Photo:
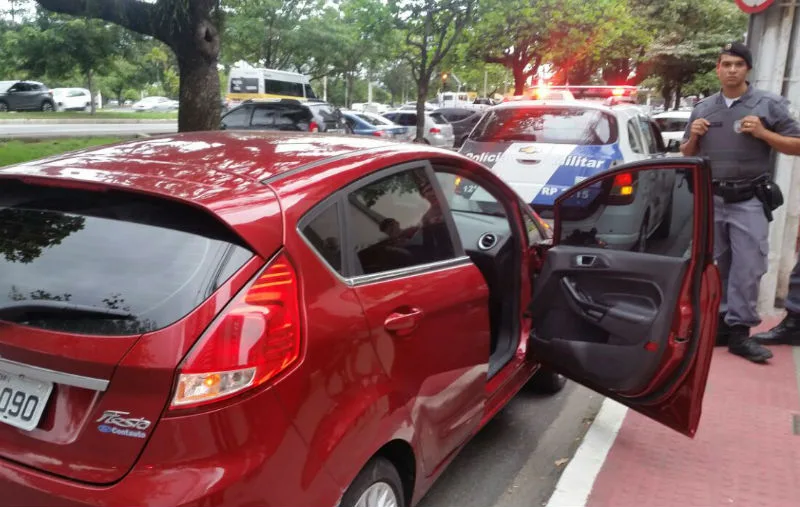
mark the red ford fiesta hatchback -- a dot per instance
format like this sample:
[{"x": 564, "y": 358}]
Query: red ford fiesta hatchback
[{"x": 270, "y": 319}]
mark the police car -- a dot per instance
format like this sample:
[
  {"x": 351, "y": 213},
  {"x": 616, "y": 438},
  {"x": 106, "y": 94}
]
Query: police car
[{"x": 541, "y": 148}]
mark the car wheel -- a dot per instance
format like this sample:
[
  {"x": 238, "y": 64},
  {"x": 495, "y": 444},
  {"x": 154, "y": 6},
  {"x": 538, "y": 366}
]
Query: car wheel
[
  {"x": 641, "y": 243},
  {"x": 546, "y": 381},
  {"x": 666, "y": 223},
  {"x": 3, "y": 107},
  {"x": 47, "y": 106},
  {"x": 377, "y": 485}
]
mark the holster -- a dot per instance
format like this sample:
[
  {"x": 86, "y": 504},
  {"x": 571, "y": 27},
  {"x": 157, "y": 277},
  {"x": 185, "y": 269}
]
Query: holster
[{"x": 770, "y": 195}]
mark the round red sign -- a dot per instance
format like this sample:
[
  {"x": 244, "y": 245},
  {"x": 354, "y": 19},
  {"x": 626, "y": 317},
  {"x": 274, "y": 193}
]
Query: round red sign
[{"x": 753, "y": 6}]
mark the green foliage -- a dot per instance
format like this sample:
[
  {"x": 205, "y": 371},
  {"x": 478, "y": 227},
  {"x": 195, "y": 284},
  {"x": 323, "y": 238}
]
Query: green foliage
[{"x": 12, "y": 152}]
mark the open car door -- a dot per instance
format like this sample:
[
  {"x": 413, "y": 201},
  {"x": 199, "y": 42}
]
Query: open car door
[{"x": 627, "y": 300}]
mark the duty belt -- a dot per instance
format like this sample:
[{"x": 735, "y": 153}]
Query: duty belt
[{"x": 737, "y": 190}]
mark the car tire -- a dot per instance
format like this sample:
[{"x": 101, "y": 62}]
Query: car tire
[
  {"x": 377, "y": 485},
  {"x": 546, "y": 381},
  {"x": 3, "y": 107},
  {"x": 48, "y": 106},
  {"x": 666, "y": 223}
]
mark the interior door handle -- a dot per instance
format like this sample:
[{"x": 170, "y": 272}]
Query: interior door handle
[
  {"x": 587, "y": 305},
  {"x": 585, "y": 261},
  {"x": 403, "y": 321}
]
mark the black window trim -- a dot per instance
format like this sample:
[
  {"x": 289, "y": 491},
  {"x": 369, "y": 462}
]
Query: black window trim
[{"x": 351, "y": 275}]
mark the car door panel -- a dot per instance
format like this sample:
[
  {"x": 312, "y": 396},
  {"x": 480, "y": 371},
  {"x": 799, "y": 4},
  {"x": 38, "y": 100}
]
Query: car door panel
[
  {"x": 635, "y": 326},
  {"x": 425, "y": 302},
  {"x": 439, "y": 357},
  {"x": 621, "y": 302}
]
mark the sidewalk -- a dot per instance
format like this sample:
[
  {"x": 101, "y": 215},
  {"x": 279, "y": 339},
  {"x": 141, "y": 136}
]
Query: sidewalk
[{"x": 745, "y": 452}]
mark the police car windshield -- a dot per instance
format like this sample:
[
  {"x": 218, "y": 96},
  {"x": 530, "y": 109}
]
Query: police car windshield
[{"x": 547, "y": 124}]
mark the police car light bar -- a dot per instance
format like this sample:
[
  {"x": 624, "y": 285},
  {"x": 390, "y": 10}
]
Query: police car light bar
[{"x": 592, "y": 91}]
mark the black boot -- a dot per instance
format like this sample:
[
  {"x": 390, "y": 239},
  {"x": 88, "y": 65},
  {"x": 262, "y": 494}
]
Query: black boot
[
  {"x": 723, "y": 332},
  {"x": 785, "y": 333},
  {"x": 740, "y": 343}
]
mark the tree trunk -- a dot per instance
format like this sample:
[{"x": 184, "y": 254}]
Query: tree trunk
[
  {"x": 422, "y": 94},
  {"x": 666, "y": 93},
  {"x": 519, "y": 77},
  {"x": 198, "y": 54},
  {"x": 678, "y": 93},
  {"x": 90, "y": 85},
  {"x": 199, "y": 92}
]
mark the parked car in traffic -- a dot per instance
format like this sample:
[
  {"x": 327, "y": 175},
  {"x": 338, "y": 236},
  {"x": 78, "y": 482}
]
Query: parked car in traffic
[
  {"x": 437, "y": 131},
  {"x": 543, "y": 148},
  {"x": 72, "y": 99},
  {"x": 361, "y": 126},
  {"x": 281, "y": 318},
  {"x": 463, "y": 121},
  {"x": 286, "y": 114},
  {"x": 672, "y": 125},
  {"x": 25, "y": 96},
  {"x": 155, "y": 104}
]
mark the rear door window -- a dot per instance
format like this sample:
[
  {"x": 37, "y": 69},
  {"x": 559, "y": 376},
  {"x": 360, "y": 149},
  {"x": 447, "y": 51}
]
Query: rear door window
[
  {"x": 263, "y": 117},
  {"x": 547, "y": 124},
  {"x": 397, "y": 222},
  {"x": 145, "y": 262},
  {"x": 238, "y": 118}
]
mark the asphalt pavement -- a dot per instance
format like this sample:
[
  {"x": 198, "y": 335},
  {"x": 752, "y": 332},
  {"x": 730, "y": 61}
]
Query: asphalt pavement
[
  {"x": 517, "y": 458},
  {"x": 42, "y": 130}
]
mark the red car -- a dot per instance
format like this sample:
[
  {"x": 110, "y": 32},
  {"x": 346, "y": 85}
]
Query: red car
[{"x": 273, "y": 319}]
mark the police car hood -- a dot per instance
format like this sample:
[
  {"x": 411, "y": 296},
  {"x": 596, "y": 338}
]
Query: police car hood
[{"x": 540, "y": 172}]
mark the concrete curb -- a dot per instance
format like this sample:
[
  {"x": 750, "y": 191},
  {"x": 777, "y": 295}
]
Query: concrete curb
[{"x": 81, "y": 122}]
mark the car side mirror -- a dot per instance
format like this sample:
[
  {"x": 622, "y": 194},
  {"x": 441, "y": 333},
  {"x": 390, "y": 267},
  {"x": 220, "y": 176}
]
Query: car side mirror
[
  {"x": 674, "y": 146},
  {"x": 640, "y": 207}
]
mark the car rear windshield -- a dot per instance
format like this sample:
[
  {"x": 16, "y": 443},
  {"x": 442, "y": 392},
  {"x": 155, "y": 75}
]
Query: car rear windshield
[
  {"x": 557, "y": 125},
  {"x": 150, "y": 260},
  {"x": 438, "y": 119}
]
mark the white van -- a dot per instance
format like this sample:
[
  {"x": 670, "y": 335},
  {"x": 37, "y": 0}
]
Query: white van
[{"x": 247, "y": 82}]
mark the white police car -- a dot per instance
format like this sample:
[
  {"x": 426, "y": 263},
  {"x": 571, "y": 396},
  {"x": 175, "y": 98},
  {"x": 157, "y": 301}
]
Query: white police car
[{"x": 541, "y": 148}]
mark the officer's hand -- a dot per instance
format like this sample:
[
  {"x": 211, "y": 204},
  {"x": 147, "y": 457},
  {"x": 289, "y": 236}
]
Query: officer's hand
[
  {"x": 699, "y": 127},
  {"x": 752, "y": 125}
]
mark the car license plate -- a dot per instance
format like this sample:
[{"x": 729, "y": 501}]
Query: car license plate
[
  {"x": 336, "y": 131},
  {"x": 22, "y": 400}
]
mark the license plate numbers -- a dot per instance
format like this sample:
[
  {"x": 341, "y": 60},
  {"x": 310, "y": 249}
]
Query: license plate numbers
[{"x": 22, "y": 400}]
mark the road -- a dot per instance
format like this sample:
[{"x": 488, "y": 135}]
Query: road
[
  {"x": 39, "y": 130},
  {"x": 512, "y": 462}
]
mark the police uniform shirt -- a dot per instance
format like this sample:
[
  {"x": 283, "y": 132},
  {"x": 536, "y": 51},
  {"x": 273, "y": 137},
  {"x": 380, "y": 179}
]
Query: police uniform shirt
[{"x": 736, "y": 155}]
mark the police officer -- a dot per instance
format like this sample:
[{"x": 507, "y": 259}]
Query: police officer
[{"x": 737, "y": 128}]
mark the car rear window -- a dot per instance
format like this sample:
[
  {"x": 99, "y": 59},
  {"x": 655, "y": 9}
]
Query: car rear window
[
  {"x": 152, "y": 259},
  {"x": 557, "y": 125},
  {"x": 439, "y": 119}
]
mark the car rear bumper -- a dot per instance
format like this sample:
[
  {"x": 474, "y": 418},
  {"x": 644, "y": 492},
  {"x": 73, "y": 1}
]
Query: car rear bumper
[{"x": 248, "y": 453}]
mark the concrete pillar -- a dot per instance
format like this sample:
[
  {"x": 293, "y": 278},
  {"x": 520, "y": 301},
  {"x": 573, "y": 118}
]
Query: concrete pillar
[{"x": 773, "y": 38}]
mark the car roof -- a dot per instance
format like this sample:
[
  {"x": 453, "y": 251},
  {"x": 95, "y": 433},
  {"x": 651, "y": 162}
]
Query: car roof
[
  {"x": 673, "y": 114},
  {"x": 208, "y": 168}
]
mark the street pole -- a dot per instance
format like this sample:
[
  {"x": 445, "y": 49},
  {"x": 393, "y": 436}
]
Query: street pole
[{"x": 325, "y": 88}]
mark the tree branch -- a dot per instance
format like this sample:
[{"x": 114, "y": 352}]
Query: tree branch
[{"x": 140, "y": 17}]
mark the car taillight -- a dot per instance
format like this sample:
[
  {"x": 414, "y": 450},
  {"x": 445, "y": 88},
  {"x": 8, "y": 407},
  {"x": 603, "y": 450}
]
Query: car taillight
[
  {"x": 435, "y": 130},
  {"x": 256, "y": 338},
  {"x": 379, "y": 133},
  {"x": 313, "y": 127},
  {"x": 623, "y": 189}
]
